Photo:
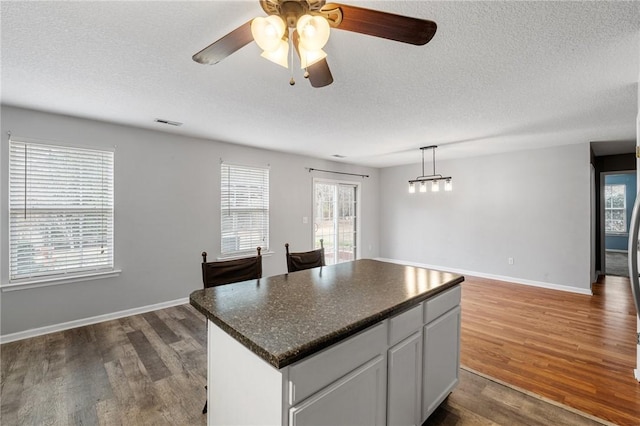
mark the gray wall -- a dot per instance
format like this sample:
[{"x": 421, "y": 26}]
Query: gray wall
[
  {"x": 533, "y": 206},
  {"x": 167, "y": 191}
]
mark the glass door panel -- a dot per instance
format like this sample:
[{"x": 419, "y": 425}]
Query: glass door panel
[{"x": 335, "y": 207}]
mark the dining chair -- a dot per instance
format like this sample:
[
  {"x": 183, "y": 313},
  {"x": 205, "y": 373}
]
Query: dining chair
[
  {"x": 230, "y": 271},
  {"x": 299, "y": 261}
]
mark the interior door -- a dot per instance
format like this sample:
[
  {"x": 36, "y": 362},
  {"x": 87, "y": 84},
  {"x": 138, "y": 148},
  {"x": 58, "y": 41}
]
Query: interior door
[
  {"x": 633, "y": 272},
  {"x": 335, "y": 219}
]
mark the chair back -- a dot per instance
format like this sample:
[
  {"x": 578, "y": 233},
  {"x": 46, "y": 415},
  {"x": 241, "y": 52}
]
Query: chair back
[
  {"x": 231, "y": 271},
  {"x": 304, "y": 260}
]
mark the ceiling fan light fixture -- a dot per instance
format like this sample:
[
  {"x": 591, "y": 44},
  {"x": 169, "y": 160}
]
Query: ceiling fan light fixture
[
  {"x": 310, "y": 57},
  {"x": 268, "y": 32},
  {"x": 314, "y": 32},
  {"x": 278, "y": 56}
]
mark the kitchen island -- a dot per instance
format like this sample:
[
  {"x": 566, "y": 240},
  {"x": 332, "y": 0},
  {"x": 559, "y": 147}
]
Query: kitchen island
[{"x": 363, "y": 342}]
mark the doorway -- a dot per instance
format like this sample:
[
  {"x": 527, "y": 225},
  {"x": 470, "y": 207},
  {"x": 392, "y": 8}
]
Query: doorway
[
  {"x": 618, "y": 197},
  {"x": 336, "y": 219}
]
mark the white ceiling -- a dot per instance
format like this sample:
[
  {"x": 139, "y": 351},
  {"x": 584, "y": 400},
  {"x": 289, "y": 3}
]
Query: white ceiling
[{"x": 498, "y": 76}]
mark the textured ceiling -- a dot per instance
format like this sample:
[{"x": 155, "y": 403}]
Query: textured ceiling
[{"x": 498, "y": 76}]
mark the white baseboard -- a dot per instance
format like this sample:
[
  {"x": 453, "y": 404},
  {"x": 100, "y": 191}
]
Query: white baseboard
[
  {"x": 91, "y": 320},
  {"x": 636, "y": 374},
  {"x": 494, "y": 277}
]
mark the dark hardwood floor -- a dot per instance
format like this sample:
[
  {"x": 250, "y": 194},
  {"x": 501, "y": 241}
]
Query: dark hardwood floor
[
  {"x": 151, "y": 368},
  {"x": 575, "y": 349},
  {"x": 140, "y": 370}
]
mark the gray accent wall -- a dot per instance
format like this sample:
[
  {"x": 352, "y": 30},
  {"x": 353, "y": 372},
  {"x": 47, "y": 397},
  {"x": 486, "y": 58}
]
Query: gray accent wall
[
  {"x": 167, "y": 211},
  {"x": 532, "y": 206}
]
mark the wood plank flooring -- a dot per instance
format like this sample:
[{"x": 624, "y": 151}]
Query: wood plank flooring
[
  {"x": 151, "y": 368},
  {"x": 140, "y": 370},
  {"x": 479, "y": 401},
  {"x": 575, "y": 349}
]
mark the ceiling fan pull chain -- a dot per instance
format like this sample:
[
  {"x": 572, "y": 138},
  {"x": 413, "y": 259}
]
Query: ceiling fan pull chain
[{"x": 292, "y": 81}]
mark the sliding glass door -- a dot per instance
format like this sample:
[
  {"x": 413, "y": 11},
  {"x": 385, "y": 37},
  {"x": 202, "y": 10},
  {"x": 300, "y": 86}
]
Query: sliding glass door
[{"x": 335, "y": 219}]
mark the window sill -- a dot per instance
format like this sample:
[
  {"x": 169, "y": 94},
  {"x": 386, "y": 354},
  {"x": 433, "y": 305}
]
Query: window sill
[
  {"x": 47, "y": 281},
  {"x": 616, "y": 234},
  {"x": 244, "y": 256}
]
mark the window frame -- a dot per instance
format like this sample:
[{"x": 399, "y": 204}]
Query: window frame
[
  {"x": 64, "y": 272},
  {"x": 263, "y": 209}
]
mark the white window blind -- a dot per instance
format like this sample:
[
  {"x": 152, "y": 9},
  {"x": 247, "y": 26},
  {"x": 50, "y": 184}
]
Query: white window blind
[
  {"x": 244, "y": 208},
  {"x": 60, "y": 210}
]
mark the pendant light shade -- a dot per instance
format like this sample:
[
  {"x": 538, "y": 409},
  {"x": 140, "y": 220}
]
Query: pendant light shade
[
  {"x": 448, "y": 186},
  {"x": 310, "y": 57},
  {"x": 313, "y": 31},
  {"x": 268, "y": 32},
  {"x": 279, "y": 55}
]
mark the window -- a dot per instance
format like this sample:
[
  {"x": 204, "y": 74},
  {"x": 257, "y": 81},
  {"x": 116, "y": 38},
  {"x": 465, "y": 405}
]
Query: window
[
  {"x": 244, "y": 204},
  {"x": 335, "y": 219},
  {"x": 60, "y": 210},
  {"x": 615, "y": 209}
]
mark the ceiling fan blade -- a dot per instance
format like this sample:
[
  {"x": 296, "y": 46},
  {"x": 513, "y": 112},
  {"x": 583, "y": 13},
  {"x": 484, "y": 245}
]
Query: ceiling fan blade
[
  {"x": 379, "y": 24},
  {"x": 220, "y": 49},
  {"x": 319, "y": 73}
]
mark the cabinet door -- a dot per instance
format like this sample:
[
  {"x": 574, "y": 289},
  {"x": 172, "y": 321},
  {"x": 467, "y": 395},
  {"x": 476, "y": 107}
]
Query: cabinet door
[
  {"x": 441, "y": 360},
  {"x": 405, "y": 382},
  {"x": 356, "y": 399}
]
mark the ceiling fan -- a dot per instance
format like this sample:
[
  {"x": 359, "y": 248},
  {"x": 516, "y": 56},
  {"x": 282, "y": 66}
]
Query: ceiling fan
[{"x": 305, "y": 24}]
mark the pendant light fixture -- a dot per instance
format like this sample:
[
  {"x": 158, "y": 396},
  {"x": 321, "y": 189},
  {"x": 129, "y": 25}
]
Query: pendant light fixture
[{"x": 434, "y": 179}]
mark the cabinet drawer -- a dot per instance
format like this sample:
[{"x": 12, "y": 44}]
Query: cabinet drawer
[
  {"x": 310, "y": 375},
  {"x": 403, "y": 325},
  {"x": 442, "y": 303}
]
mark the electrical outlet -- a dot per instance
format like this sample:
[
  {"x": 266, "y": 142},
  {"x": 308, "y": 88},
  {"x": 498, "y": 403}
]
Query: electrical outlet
[
  {"x": 510, "y": 260},
  {"x": 305, "y": 219}
]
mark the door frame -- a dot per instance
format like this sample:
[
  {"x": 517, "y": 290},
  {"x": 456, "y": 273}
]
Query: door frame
[
  {"x": 603, "y": 235},
  {"x": 358, "y": 209}
]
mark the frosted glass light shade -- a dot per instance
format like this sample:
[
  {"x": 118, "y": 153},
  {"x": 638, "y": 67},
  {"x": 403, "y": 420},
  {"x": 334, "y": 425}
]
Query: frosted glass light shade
[
  {"x": 448, "y": 186},
  {"x": 268, "y": 32},
  {"x": 313, "y": 31},
  {"x": 435, "y": 186},
  {"x": 412, "y": 188},
  {"x": 310, "y": 57},
  {"x": 423, "y": 187},
  {"x": 278, "y": 56}
]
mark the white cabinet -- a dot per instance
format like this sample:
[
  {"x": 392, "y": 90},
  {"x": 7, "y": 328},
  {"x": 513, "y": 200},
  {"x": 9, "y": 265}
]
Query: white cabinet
[
  {"x": 355, "y": 399},
  {"x": 441, "y": 359},
  {"x": 405, "y": 381}
]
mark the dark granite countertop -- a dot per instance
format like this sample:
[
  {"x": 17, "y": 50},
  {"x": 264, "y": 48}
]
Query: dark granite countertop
[{"x": 285, "y": 318}]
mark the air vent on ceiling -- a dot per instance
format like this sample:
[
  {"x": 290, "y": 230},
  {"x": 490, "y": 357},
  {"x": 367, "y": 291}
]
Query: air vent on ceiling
[{"x": 169, "y": 122}]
